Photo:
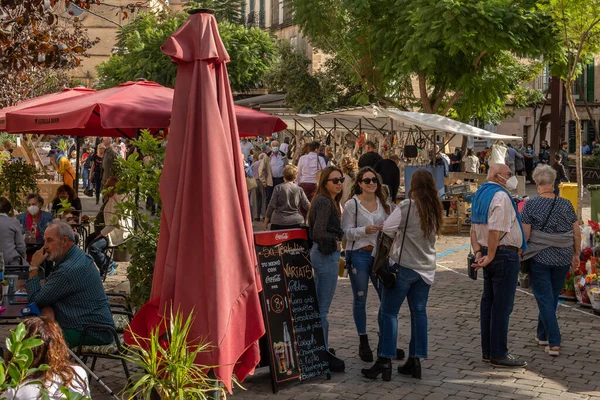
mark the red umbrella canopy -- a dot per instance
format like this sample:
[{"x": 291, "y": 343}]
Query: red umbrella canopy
[
  {"x": 66, "y": 93},
  {"x": 116, "y": 112},
  {"x": 205, "y": 259}
]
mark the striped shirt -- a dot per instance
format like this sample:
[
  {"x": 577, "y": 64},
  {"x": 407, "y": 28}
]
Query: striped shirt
[{"x": 75, "y": 292}]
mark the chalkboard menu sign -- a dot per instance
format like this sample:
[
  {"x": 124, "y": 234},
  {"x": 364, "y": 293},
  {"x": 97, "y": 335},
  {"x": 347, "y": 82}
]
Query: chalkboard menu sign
[{"x": 289, "y": 300}]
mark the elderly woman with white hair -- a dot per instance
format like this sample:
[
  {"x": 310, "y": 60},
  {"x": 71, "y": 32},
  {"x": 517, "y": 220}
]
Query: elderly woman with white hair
[{"x": 554, "y": 239}]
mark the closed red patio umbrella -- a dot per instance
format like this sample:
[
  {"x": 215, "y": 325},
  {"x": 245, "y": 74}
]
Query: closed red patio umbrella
[{"x": 206, "y": 259}]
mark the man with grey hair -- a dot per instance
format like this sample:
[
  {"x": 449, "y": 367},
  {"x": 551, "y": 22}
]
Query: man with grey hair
[
  {"x": 73, "y": 294},
  {"x": 271, "y": 169},
  {"x": 496, "y": 236}
]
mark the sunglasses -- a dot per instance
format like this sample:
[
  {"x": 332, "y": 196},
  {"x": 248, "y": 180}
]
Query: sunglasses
[
  {"x": 369, "y": 180},
  {"x": 337, "y": 180}
]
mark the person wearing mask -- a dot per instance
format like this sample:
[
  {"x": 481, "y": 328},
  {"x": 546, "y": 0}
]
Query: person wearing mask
[
  {"x": 54, "y": 353},
  {"x": 471, "y": 162},
  {"x": 247, "y": 147},
  {"x": 554, "y": 241},
  {"x": 512, "y": 155},
  {"x": 496, "y": 237},
  {"x": 285, "y": 146},
  {"x": 529, "y": 157},
  {"x": 114, "y": 229},
  {"x": 362, "y": 218},
  {"x": 108, "y": 160},
  {"x": 86, "y": 167},
  {"x": 309, "y": 167},
  {"x": 34, "y": 221},
  {"x": 271, "y": 170},
  {"x": 388, "y": 169},
  {"x": 324, "y": 221},
  {"x": 66, "y": 192},
  {"x": 96, "y": 171},
  {"x": 63, "y": 166},
  {"x": 259, "y": 197},
  {"x": 561, "y": 173},
  {"x": 414, "y": 224},
  {"x": 350, "y": 170},
  {"x": 585, "y": 149},
  {"x": 288, "y": 203},
  {"x": 544, "y": 156},
  {"x": 564, "y": 155},
  {"x": 370, "y": 158},
  {"x": 12, "y": 244}
]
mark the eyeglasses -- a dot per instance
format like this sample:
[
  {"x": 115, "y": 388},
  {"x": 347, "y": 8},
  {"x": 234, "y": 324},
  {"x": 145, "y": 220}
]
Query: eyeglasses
[
  {"x": 337, "y": 180},
  {"x": 368, "y": 181}
]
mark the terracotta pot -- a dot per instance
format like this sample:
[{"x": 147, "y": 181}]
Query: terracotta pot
[{"x": 569, "y": 293}]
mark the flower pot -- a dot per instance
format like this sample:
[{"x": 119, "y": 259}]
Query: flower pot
[{"x": 569, "y": 293}]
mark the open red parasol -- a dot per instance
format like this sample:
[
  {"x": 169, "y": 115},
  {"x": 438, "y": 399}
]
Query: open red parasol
[{"x": 205, "y": 258}]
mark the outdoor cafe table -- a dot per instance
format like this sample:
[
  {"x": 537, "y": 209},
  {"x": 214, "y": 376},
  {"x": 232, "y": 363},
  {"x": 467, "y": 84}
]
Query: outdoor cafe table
[{"x": 12, "y": 314}]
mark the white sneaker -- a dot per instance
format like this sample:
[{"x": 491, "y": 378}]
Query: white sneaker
[{"x": 541, "y": 342}]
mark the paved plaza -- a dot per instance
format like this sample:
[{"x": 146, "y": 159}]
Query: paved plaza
[{"x": 454, "y": 369}]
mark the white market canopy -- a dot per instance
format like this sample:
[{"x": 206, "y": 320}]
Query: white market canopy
[{"x": 373, "y": 119}]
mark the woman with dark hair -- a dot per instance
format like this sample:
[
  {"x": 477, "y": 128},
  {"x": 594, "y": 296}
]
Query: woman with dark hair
[
  {"x": 54, "y": 353},
  {"x": 362, "y": 218},
  {"x": 66, "y": 192},
  {"x": 415, "y": 224},
  {"x": 324, "y": 221},
  {"x": 12, "y": 244}
]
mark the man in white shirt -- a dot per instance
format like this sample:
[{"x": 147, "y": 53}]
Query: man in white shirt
[
  {"x": 271, "y": 169},
  {"x": 309, "y": 166},
  {"x": 247, "y": 147}
]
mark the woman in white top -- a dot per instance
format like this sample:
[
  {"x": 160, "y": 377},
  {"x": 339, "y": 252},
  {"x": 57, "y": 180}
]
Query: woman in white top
[
  {"x": 471, "y": 162},
  {"x": 52, "y": 352},
  {"x": 363, "y": 217},
  {"x": 414, "y": 224}
]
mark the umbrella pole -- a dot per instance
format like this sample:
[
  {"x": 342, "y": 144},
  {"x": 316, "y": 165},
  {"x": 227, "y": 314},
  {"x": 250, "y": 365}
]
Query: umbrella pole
[
  {"x": 92, "y": 374},
  {"x": 76, "y": 183}
]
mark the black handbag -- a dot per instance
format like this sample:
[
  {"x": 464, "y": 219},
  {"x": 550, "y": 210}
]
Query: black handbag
[
  {"x": 525, "y": 265},
  {"x": 381, "y": 263}
]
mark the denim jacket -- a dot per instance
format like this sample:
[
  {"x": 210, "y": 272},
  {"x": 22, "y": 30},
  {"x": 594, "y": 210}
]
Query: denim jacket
[{"x": 43, "y": 223}]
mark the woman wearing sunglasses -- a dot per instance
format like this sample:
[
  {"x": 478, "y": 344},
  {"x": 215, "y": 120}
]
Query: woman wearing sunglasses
[
  {"x": 324, "y": 222},
  {"x": 364, "y": 214},
  {"x": 415, "y": 223}
]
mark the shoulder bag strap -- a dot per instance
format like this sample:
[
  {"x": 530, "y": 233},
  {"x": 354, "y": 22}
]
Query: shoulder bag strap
[
  {"x": 549, "y": 213},
  {"x": 404, "y": 235}
]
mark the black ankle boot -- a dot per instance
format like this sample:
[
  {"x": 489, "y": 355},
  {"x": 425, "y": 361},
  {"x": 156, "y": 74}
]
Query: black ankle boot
[
  {"x": 364, "y": 350},
  {"x": 412, "y": 366},
  {"x": 382, "y": 366},
  {"x": 335, "y": 364}
]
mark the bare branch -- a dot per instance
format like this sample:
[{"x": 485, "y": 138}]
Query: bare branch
[{"x": 451, "y": 102}]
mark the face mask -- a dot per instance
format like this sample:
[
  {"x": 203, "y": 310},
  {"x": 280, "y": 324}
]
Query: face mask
[
  {"x": 512, "y": 183},
  {"x": 275, "y": 149},
  {"x": 33, "y": 210}
]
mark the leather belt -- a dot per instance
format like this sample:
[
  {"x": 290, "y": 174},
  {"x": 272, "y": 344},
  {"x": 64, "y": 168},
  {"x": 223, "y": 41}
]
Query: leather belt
[
  {"x": 502, "y": 247},
  {"x": 367, "y": 248}
]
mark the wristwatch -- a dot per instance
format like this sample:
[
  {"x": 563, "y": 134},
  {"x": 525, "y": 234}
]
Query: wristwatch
[{"x": 31, "y": 268}]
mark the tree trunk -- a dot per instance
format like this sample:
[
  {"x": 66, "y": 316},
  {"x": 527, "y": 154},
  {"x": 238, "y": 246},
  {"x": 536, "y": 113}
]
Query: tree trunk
[{"x": 578, "y": 162}]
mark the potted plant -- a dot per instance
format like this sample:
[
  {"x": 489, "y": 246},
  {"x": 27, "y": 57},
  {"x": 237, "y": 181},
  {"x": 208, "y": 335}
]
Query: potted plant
[
  {"x": 569, "y": 286},
  {"x": 586, "y": 254},
  {"x": 65, "y": 209}
]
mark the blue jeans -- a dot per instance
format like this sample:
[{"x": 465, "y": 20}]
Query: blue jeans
[
  {"x": 409, "y": 285},
  {"x": 97, "y": 184},
  {"x": 87, "y": 184},
  {"x": 499, "y": 286},
  {"x": 326, "y": 276},
  {"x": 361, "y": 262},
  {"x": 97, "y": 251},
  {"x": 546, "y": 284}
]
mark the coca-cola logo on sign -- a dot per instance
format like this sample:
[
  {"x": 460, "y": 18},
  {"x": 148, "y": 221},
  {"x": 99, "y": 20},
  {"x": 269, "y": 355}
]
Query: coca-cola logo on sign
[{"x": 281, "y": 236}]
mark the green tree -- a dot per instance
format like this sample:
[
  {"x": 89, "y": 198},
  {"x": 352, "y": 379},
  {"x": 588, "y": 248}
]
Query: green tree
[
  {"x": 225, "y": 10},
  {"x": 577, "y": 36},
  {"x": 138, "y": 52},
  {"x": 465, "y": 56}
]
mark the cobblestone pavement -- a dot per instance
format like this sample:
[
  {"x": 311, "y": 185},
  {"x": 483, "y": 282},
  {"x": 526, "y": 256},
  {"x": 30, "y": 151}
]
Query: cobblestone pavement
[{"x": 454, "y": 369}]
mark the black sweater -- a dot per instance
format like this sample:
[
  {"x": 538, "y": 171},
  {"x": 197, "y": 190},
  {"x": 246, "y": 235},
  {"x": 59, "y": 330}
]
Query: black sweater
[{"x": 324, "y": 225}]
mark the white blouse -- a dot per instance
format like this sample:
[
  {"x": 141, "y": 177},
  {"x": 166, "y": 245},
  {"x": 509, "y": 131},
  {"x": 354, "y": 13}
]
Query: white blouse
[{"x": 356, "y": 235}]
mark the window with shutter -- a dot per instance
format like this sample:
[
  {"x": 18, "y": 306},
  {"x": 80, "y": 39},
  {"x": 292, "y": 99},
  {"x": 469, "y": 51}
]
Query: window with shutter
[{"x": 589, "y": 95}]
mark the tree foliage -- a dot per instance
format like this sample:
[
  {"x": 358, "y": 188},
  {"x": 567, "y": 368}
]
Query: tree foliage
[
  {"x": 32, "y": 42},
  {"x": 139, "y": 55},
  {"x": 577, "y": 36},
  {"x": 464, "y": 55},
  {"x": 225, "y": 10}
]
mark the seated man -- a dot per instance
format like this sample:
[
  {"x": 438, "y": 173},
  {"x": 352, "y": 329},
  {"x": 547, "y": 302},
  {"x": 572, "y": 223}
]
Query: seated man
[{"x": 74, "y": 291}]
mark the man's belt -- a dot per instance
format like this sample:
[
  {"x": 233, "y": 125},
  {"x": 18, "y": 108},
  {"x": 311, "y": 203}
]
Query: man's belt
[
  {"x": 367, "y": 248},
  {"x": 509, "y": 248}
]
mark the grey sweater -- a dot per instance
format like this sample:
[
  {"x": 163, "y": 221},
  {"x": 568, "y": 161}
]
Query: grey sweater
[
  {"x": 12, "y": 243},
  {"x": 286, "y": 204}
]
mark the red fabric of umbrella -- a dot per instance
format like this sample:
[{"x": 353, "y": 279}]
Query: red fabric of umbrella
[
  {"x": 66, "y": 93},
  {"x": 256, "y": 123},
  {"x": 205, "y": 258}
]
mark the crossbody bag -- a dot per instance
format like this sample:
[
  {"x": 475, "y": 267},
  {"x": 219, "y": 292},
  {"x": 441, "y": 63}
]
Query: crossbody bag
[{"x": 526, "y": 265}]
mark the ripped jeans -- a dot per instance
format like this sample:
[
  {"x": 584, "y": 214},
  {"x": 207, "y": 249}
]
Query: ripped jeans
[{"x": 361, "y": 262}]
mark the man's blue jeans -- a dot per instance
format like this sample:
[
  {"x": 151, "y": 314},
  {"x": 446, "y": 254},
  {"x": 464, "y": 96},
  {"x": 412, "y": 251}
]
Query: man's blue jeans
[
  {"x": 411, "y": 286},
  {"x": 326, "y": 276},
  {"x": 361, "y": 262},
  {"x": 499, "y": 286},
  {"x": 97, "y": 251},
  {"x": 87, "y": 184},
  {"x": 546, "y": 284}
]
